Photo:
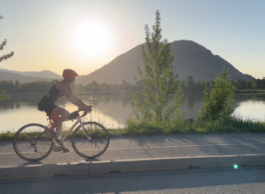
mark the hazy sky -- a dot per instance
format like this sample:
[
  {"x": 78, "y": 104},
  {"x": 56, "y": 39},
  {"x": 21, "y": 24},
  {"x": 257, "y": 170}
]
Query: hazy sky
[{"x": 86, "y": 34}]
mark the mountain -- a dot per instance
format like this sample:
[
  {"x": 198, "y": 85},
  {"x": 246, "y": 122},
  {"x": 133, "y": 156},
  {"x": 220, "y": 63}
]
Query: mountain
[
  {"x": 190, "y": 59},
  {"x": 43, "y": 74},
  {"x": 5, "y": 75}
]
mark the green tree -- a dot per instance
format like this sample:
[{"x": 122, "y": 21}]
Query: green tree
[
  {"x": 3, "y": 94},
  {"x": 239, "y": 84},
  {"x": 94, "y": 86},
  {"x": 158, "y": 81},
  {"x": 201, "y": 85},
  {"x": 217, "y": 103},
  {"x": 4, "y": 57},
  {"x": 189, "y": 83},
  {"x": 248, "y": 84},
  {"x": 254, "y": 84},
  {"x": 124, "y": 85}
]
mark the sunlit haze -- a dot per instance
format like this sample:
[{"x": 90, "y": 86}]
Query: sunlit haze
[
  {"x": 91, "y": 39},
  {"x": 85, "y": 35}
]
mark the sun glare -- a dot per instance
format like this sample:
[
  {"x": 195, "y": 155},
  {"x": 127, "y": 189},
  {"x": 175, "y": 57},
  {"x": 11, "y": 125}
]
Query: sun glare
[{"x": 91, "y": 38}]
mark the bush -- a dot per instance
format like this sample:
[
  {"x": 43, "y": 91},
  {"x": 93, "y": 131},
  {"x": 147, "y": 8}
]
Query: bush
[{"x": 217, "y": 103}]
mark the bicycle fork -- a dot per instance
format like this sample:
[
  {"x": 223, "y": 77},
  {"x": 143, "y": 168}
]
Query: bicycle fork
[{"x": 88, "y": 136}]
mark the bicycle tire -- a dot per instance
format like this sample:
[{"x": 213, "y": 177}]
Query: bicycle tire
[
  {"x": 29, "y": 138},
  {"x": 101, "y": 127}
]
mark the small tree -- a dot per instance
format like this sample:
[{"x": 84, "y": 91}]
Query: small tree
[
  {"x": 4, "y": 57},
  {"x": 254, "y": 84},
  {"x": 189, "y": 83},
  {"x": 218, "y": 102},
  {"x": 158, "y": 81},
  {"x": 94, "y": 86},
  {"x": 124, "y": 85}
]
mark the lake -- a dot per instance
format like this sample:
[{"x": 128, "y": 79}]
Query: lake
[{"x": 113, "y": 111}]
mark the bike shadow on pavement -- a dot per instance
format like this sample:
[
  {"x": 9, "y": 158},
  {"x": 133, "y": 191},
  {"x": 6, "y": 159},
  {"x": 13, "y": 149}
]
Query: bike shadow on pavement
[
  {"x": 30, "y": 163},
  {"x": 91, "y": 160}
]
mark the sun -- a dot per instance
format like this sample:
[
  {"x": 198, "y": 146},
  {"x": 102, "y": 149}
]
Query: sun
[{"x": 91, "y": 38}]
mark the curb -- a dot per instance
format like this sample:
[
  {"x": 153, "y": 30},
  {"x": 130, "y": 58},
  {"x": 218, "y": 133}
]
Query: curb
[
  {"x": 43, "y": 170},
  {"x": 125, "y": 166}
]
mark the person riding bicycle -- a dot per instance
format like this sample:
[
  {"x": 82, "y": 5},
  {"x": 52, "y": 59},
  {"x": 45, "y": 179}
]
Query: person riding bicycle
[{"x": 56, "y": 113}]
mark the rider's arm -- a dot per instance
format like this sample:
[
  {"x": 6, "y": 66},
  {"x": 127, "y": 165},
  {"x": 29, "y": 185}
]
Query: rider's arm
[
  {"x": 69, "y": 95},
  {"x": 77, "y": 99}
]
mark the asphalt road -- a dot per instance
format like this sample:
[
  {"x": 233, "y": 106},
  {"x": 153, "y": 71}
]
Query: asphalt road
[
  {"x": 214, "y": 181},
  {"x": 154, "y": 147}
]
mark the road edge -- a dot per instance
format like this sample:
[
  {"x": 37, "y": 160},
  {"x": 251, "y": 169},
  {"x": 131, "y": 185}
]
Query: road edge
[{"x": 127, "y": 166}]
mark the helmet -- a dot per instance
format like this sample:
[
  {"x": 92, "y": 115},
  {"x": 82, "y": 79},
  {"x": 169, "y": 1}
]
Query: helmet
[{"x": 68, "y": 73}]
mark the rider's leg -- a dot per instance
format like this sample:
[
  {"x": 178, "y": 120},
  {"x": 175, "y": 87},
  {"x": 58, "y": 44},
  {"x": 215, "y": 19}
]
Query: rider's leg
[
  {"x": 54, "y": 118},
  {"x": 64, "y": 116}
]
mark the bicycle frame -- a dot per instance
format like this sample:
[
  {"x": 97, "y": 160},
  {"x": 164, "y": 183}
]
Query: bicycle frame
[
  {"x": 73, "y": 126},
  {"x": 95, "y": 145},
  {"x": 71, "y": 129}
]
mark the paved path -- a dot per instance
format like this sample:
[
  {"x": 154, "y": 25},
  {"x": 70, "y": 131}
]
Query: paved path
[
  {"x": 155, "y": 147},
  {"x": 250, "y": 180}
]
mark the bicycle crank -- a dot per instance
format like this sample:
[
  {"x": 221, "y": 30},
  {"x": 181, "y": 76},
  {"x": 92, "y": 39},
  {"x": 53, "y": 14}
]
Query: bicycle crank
[{"x": 57, "y": 145}]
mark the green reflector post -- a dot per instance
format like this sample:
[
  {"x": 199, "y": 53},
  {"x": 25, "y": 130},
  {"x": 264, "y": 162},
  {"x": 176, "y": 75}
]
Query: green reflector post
[{"x": 235, "y": 166}]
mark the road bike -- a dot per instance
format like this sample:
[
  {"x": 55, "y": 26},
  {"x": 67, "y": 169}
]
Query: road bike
[{"x": 89, "y": 139}]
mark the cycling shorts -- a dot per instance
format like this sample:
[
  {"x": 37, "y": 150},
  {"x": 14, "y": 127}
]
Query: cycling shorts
[{"x": 47, "y": 107}]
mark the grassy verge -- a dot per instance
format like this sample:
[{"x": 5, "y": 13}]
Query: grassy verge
[{"x": 231, "y": 125}]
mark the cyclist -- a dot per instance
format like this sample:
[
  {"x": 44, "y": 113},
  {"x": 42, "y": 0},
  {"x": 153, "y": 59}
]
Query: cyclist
[{"x": 56, "y": 113}]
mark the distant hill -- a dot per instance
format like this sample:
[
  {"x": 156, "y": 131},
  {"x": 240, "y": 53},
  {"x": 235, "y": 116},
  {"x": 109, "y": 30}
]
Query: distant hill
[
  {"x": 43, "y": 74},
  {"x": 190, "y": 59},
  {"x": 5, "y": 75}
]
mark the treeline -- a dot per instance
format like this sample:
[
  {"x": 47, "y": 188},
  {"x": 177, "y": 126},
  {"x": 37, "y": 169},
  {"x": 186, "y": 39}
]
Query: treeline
[
  {"x": 190, "y": 85},
  {"x": 44, "y": 86},
  {"x": 186, "y": 85}
]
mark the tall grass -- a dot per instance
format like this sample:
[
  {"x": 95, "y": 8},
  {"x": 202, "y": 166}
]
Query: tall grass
[{"x": 231, "y": 124}]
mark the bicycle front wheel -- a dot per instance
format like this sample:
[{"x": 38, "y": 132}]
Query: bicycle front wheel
[
  {"x": 90, "y": 141},
  {"x": 31, "y": 144}
]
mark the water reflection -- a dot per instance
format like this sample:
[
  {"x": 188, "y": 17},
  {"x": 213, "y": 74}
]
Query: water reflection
[{"x": 113, "y": 111}]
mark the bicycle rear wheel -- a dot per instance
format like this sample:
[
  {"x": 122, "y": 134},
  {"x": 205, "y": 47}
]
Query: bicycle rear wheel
[
  {"x": 31, "y": 144},
  {"x": 92, "y": 141}
]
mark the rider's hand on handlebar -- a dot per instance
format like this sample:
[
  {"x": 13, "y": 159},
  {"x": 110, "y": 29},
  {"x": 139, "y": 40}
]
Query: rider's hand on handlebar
[{"x": 87, "y": 108}]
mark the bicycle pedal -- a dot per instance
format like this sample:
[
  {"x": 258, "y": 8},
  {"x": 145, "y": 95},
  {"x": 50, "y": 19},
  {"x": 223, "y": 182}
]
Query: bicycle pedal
[
  {"x": 64, "y": 150},
  {"x": 57, "y": 145}
]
